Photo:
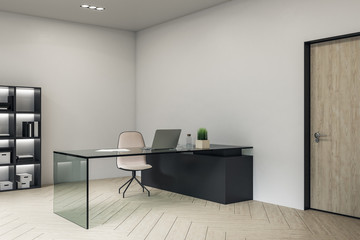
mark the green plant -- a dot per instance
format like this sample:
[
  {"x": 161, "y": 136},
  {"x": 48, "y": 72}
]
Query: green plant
[{"x": 202, "y": 134}]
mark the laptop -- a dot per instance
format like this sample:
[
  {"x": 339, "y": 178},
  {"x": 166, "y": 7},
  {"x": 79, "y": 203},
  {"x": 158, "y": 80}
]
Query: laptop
[{"x": 166, "y": 139}]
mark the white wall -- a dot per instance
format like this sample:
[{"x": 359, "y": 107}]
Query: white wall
[
  {"x": 87, "y": 76},
  {"x": 237, "y": 69}
]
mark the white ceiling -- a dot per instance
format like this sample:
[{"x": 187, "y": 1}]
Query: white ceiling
[{"x": 130, "y": 15}]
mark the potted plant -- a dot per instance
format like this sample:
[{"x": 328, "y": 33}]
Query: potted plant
[{"x": 202, "y": 139}]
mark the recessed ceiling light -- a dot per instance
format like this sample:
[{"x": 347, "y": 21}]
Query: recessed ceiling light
[{"x": 92, "y": 7}]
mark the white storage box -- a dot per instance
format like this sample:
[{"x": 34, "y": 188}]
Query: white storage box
[
  {"x": 4, "y": 157},
  {"x": 6, "y": 185},
  {"x": 23, "y": 177},
  {"x": 21, "y": 185}
]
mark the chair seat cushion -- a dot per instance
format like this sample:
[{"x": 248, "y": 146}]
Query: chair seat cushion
[{"x": 135, "y": 167}]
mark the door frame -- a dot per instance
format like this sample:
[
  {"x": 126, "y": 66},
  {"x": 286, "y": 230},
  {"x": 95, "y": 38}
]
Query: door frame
[{"x": 307, "y": 104}]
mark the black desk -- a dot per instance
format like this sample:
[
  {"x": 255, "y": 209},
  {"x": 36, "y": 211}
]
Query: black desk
[{"x": 221, "y": 174}]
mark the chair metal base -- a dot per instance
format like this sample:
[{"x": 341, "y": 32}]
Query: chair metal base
[{"x": 130, "y": 181}]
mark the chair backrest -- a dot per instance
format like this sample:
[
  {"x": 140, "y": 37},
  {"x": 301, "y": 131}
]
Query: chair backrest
[{"x": 130, "y": 139}]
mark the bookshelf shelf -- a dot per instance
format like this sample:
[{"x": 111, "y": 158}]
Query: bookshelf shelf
[
  {"x": 27, "y": 162},
  {"x": 6, "y": 165},
  {"x": 27, "y": 112},
  {"x": 19, "y": 138}
]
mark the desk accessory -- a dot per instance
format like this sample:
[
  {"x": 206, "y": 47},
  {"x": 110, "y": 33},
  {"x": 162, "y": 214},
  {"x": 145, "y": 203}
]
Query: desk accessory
[{"x": 202, "y": 141}]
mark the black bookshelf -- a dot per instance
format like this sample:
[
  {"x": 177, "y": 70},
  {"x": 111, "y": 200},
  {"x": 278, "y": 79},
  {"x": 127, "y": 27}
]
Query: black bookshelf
[{"x": 20, "y": 106}]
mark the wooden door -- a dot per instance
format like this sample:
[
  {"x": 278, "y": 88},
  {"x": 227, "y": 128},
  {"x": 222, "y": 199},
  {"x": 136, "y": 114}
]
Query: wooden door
[{"x": 335, "y": 114}]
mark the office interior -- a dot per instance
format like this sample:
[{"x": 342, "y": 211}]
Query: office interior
[{"x": 236, "y": 68}]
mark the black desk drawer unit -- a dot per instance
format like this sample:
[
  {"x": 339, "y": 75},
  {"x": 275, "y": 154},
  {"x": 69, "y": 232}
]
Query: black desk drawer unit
[{"x": 215, "y": 176}]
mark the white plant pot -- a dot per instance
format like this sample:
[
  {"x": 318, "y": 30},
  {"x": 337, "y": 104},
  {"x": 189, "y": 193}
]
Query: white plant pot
[{"x": 202, "y": 144}]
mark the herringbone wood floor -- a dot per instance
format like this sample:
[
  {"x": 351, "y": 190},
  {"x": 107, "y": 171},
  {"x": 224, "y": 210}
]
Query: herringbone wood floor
[{"x": 28, "y": 215}]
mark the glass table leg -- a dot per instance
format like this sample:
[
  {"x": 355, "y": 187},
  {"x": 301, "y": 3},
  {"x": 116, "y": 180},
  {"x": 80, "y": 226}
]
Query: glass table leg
[{"x": 71, "y": 189}]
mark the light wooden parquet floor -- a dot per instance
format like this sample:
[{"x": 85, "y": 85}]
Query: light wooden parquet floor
[{"x": 164, "y": 216}]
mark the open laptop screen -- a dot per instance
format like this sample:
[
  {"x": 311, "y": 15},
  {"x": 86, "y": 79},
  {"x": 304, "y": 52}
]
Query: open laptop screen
[{"x": 166, "y": 138}]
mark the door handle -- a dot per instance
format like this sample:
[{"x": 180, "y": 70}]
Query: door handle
[{"x": 317, "y": 137}]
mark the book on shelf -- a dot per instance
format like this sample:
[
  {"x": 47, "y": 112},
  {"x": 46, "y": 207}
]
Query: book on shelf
[
  {"x": 11, "y": 102},
  {"x": 4, "y": 106},
  {"x": 31, "y": 129},
  {"x": 36, "y": 129},
  {"x": 7, "y": 105},
  {"x": 25, "y": 129},
  {"x": 25, "y": 157}
]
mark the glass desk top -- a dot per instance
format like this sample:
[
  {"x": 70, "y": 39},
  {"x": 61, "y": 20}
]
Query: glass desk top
[
  {"x": 71, "y": 175},
  {"x": 100, "y": 153}
]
